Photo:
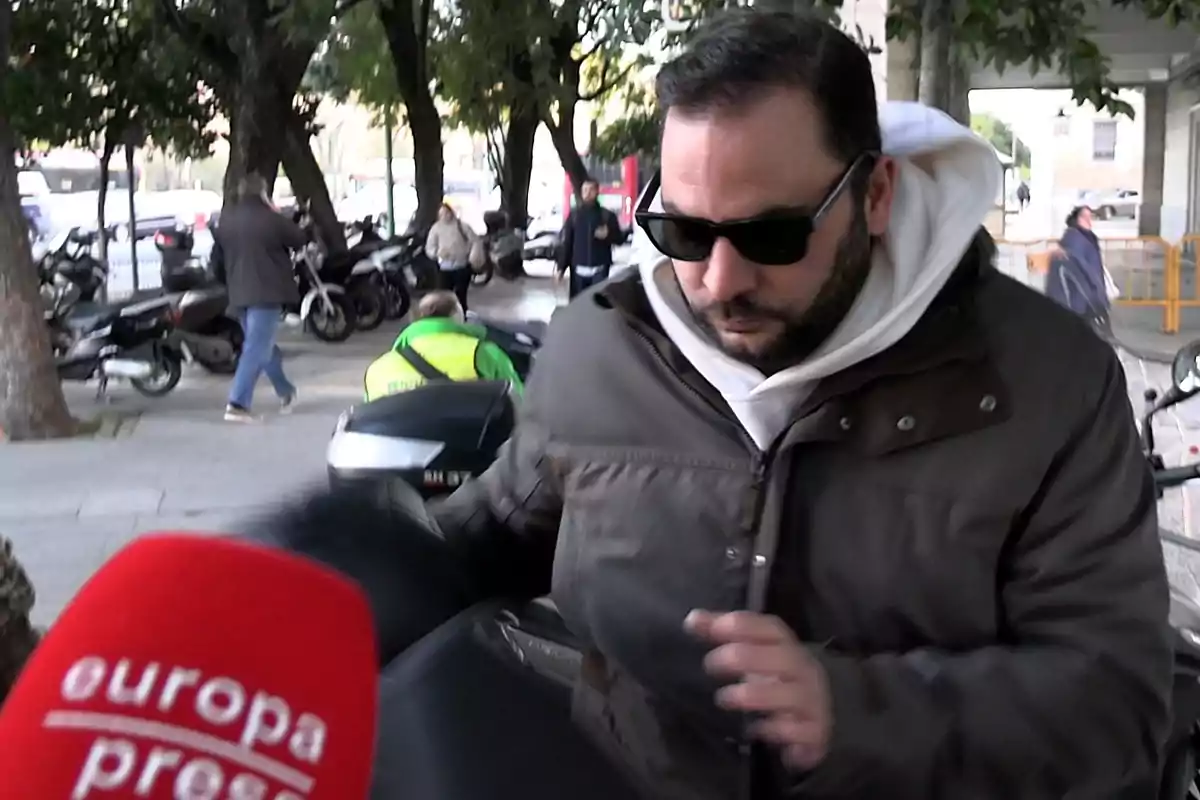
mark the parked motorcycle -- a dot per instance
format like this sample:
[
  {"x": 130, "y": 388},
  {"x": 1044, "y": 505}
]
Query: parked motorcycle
[
  {"x": 174, "y": 248},
  {"x": 204, "y": 333},
  {"x": 435, "y": 436},
  {"x": 325, "y": 309},
  {"x": 69, "y": 254},
  {"x": 504, "y": 247},
  {"x": 421, "y": 270},
  {"x": 128, "y": 340},
  {"x": 1180, "y": 779},
  {"x": 366, "y": 288},
  {"x": 542, "y": 238}
]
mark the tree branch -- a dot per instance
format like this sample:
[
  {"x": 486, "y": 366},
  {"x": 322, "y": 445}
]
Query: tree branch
[
  {"x": 201, "y": 38},
  {"x": 591, "y": 51},
  {"x": 606, "y": 86}
]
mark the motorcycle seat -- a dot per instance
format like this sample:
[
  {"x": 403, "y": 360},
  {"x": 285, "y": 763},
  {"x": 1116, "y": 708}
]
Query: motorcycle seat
[
  {"x": 533, "y": 329},
  {"x": 87, "y": 316}
]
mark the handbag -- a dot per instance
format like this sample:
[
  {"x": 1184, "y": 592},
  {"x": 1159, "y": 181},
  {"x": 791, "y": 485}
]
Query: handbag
[
  {"x": 1110, "y": 286},
  {"x": 477, "y": 257}
]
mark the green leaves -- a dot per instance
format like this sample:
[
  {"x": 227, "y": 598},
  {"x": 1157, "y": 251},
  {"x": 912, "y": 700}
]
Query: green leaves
[
  {"x": 91, "y": 69},
  {"x": 1045, "y": 34},
  {"x": 355, "y": 61}
]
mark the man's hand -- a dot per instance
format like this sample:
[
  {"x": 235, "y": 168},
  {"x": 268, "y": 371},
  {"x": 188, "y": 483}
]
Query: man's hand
[
  {"x": 602, "y": 232},
  {"x": 558, "y": 275},
  {"x": 778, "y": 681}
]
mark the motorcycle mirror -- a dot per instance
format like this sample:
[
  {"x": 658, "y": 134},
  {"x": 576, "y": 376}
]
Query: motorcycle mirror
[{"x": 1185, "y": 372}]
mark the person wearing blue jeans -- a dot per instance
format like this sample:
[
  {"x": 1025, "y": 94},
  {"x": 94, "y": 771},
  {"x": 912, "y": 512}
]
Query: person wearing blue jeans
[
  {"x": 260, "y": 355},
  {"x": 252, "y": 257}
]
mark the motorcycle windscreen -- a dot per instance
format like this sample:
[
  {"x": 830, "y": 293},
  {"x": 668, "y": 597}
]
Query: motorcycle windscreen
[{"x": 466, "y": 415}]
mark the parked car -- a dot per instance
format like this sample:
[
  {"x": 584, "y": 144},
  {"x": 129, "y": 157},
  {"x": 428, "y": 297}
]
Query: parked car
[
  {"x": 371, "y": 201},
  {"x": 1113, "y": 204},
  {"x": 33, "y": 189}
]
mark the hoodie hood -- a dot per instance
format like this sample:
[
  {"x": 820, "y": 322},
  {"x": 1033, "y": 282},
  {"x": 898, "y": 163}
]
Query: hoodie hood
[{"x": 947, "y": 181}]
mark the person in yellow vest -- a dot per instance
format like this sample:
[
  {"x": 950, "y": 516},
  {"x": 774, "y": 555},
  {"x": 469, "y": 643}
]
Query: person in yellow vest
[{"x": 439, "y": 345}]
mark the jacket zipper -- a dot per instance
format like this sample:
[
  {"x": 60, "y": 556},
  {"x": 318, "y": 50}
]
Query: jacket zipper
[{"x": 761, "y": 463}]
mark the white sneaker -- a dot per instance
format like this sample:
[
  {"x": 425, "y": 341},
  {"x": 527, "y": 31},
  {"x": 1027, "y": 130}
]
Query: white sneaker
[
  {"x": 235, "y": 414},
  {"x": 288, "y": 404}
]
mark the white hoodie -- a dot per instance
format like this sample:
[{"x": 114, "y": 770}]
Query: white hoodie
[{"x": 947, "y": 181}]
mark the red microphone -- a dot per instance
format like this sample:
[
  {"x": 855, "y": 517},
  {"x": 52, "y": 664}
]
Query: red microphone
[{"x": 198, "y": 668}]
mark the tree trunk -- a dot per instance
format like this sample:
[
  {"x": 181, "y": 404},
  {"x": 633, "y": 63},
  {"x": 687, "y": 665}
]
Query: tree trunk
[
  {"x": 108, "y": 149},
  {"x": 426, "y": 128},
  {"x": 959, "y": 106},
  {"x": 308, "y": 182},
  {"x": 256, "y": 139},
  {"x": 562, "y": 134},
  {"x": 944, "y": 78},
  {"x": 132, "y": 226},
  {"x": 405, "y": 25},
  {"x": 518, "y": 161},
  {"x": 31, "y": 398},
  {"x": 936, "y": 48}
]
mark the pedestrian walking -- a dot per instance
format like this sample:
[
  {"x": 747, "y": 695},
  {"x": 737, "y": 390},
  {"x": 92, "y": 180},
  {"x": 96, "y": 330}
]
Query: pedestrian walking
[
  {"x": 252, "y": 257},
  {"x": 454, "y": 246},
  {"x": 1023, "y": 195},
  {"x": 588, "y": 237}
]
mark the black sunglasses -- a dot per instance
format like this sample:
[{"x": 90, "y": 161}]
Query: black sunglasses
[{"x": 772, "y": 239}]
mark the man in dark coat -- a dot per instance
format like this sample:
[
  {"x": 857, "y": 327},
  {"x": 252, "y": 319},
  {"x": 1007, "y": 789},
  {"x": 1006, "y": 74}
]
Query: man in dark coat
[
  {"x": 832, "y": 507},
  {"x": 252, "y": 256},
  {"x": 588, "y": 237}
]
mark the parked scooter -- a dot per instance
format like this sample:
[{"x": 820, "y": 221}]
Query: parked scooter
[
  {"x": 504, "y": 248},
  {"x": 435, "y": 436},
  {"x": 69, "y": 255},
  {"x": 1180, "y": 779},
  {"x": 384, "y": 260},
  {"x": 129, "y": 340},
  {"x": 542, "y": 238},
  {"x": 421, "y": 270},
  {"x": 204, "y": 333}
]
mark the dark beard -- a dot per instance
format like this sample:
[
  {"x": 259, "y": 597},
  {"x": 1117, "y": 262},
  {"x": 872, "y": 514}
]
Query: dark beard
[{"x": 807, "y": 331}]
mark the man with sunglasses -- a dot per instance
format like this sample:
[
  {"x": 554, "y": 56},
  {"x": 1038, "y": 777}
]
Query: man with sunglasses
[
  {"x": 834, "y": 508},
  {"x": 897, "y": 496}
]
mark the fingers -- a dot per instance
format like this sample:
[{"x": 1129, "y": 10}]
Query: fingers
[
  {"x": 765, "y": 660},
  {"x": 770, "y": 697},
  {"x": 737, "y": 626},
  {"x": 803, "y": 741}
]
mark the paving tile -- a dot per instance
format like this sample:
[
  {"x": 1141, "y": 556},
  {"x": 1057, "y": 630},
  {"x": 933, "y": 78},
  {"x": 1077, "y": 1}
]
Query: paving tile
[
  {"x": 134, "y": 500},
  {"x": 25, "y": 503}
]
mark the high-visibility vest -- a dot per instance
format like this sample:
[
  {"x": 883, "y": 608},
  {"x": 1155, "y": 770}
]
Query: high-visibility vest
[{"x": 452, "y": 354}]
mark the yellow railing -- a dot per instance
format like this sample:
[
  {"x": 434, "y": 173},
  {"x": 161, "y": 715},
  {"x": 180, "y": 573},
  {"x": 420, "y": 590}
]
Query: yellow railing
[{"x": 1145, "y": 268}]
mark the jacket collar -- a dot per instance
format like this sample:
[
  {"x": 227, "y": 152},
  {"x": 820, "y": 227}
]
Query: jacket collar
[{"x": 935, "y": 382}]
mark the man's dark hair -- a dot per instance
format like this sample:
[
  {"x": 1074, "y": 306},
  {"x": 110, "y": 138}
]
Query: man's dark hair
[
  {"x": 1073, "y": 217},
  {"x": 744, "y": 54},
  {"x": 252, "y": 185}
]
